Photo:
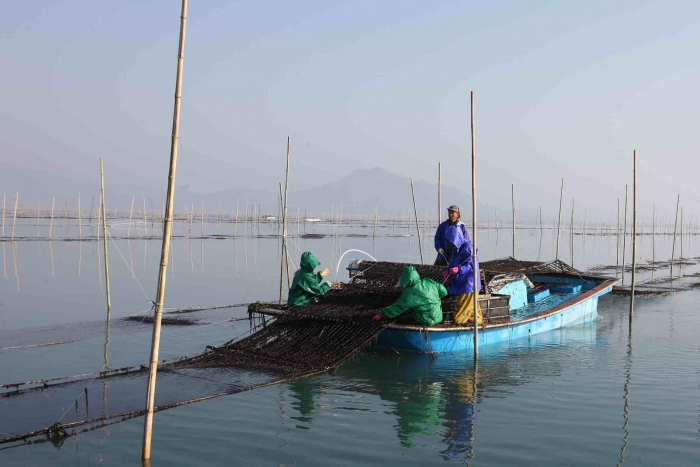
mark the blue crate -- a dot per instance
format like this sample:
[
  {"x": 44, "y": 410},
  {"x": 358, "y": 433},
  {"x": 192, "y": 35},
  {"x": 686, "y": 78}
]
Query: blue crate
[{"x": 535, "y": 295}]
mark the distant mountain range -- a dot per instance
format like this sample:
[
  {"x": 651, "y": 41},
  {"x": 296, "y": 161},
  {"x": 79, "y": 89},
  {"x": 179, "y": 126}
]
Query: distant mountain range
[{"x": 362, "y": 191}]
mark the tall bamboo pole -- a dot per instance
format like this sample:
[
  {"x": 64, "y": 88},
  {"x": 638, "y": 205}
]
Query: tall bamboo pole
[
  {"x": 617, "y": 242},
  {"x": 80, "y": 227},
  {"x": 512, "y": 206},
  {"x": 474, "y": 260},
  {"x": 131, "y": 213},
  {"x": 53, "y": 204},
  {"x": 284, "y": 224},
  {"x": 167, "y": 228},
  {"x": 145, "y": 222},
  {"x": 675, "y": 226},
  {"x": 680, "y": 241},
  {"x": 624, "y": 239},
  {"x": 653, "y": 239},
  {"x": 14, "y": 216},
  {"x": 415, "y": 212},
  {"x": 634, "y": 233},
  {"x": 439, "y": 218},
  {"x": 561, "y": 195},
  {"x": 104, "y": 236},
  {"x": 573, "y": 200}
]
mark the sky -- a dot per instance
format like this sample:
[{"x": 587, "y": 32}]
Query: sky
[{"x": 562, "y": 90}]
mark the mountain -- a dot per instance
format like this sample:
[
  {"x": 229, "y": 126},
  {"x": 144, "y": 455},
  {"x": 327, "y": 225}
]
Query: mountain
[{"x": 362, "y": 191}]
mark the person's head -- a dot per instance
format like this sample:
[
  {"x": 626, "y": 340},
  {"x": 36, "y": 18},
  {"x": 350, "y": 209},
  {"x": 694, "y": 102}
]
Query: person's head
[
  {"x": 453, "y": 213},
  {"x": 409, "y": 277},
  {"x": 308, "y": 262}
]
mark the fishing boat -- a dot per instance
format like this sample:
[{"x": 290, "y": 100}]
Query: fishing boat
[{"x": 519, "y": 299}]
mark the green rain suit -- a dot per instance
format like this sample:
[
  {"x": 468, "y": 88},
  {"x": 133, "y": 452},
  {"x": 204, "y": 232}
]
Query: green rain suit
[
  {"x": 306, "y": 284},
  {"x": 420, "y": 295}
]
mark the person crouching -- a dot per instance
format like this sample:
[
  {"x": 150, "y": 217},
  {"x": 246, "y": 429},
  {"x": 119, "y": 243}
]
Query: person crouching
[
  {"x": 420, "y": 295},
  {"x": 307, "y": 284}
]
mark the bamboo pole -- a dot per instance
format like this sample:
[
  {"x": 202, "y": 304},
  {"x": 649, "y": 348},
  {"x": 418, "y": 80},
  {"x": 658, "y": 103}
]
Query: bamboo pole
[
  {"x": 634, "y": 233},
  {"x": 284, "y": 225},
  {"x": 235, "y": 222},
  {"x": 104, "y": 237},
  {"x": 80, "y": 226},
  {"x": 145, "y": 221},
  {"x": 624, "y": 239},
  {"x": 14, "y": 216},
  {"x": 286, "y": 211},
  {"x": 475, "y": 262},
  {"x": 53, "y": 204},
  {"x": 439, "y": 218},
  {"x": 167, "y": 229},
  {"x": 415, "y": 212},
  {"x": 617, "y": 246},
  {"x": 131, "y": 213},
  {"x": 561, "y": 194},
  {"x": 512, "y": 206},
  {"x": 681, "y": 236},
  {"x": 675, "y": 226},
  {"x": 573, "y": 200},
  {"x": 653, "y": 239},
  {"x": 3, "y": 214}
]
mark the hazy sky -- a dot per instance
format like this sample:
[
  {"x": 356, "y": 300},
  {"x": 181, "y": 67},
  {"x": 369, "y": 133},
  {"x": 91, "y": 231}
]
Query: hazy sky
[{"x": 563, "y": 89}]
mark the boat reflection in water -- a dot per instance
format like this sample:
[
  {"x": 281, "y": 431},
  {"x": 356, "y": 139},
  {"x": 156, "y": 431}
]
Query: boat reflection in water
[{"x": 443, "y": 397}]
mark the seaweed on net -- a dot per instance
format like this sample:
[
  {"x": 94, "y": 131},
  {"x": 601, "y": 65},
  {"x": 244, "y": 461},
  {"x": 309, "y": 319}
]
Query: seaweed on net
[{"x": 299, "y": 343}]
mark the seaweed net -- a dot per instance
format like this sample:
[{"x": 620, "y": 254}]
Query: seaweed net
[
  {"x": 299, "y": 343},
  {"x": 510, "y": 265}
]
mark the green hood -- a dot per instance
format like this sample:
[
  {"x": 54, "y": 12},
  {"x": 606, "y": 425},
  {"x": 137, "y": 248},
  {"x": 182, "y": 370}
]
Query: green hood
[
  {"x": 308, "y": 262},
  {"x": 409, "y": 277}
]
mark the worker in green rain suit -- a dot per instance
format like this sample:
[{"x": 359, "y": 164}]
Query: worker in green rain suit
[
  {"x": 306, "y": 284},
  {"x": 420, "y": 295}
]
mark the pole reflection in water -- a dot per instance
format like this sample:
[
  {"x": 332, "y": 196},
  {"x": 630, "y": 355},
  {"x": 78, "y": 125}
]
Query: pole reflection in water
[
  {"x": 14, "y": 260},
  {"x": 460, "y": 416},
  {"x": 282, "y": 416},
  {"x": 189, "y": 247},
  {"x": 235, "y": 255},
  {"x": 51, "y": 255},
  {"x": 131, "y": 258},
  {"x": 4, "y": 263},
  {"x": 625, "y": 410}
]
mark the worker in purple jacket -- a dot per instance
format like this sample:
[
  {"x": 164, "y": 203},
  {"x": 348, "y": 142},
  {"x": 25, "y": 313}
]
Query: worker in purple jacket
[
  {"x": 442, "y": 247},
  {"x": 461, "y": 267}
]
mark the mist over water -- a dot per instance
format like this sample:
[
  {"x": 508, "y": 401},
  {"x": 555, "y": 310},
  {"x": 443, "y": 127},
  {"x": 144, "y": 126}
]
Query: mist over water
[{"x": 586, "y": 395}]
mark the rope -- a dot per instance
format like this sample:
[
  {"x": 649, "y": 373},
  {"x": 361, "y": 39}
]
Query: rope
[{"x": 129, "y": 267}]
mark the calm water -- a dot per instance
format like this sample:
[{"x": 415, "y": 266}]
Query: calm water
[{"x": 588, "y": 395}]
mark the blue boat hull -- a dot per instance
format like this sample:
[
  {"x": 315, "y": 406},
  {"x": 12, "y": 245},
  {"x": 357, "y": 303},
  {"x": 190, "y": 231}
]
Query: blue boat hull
[{"x": 448, "y": 339}]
